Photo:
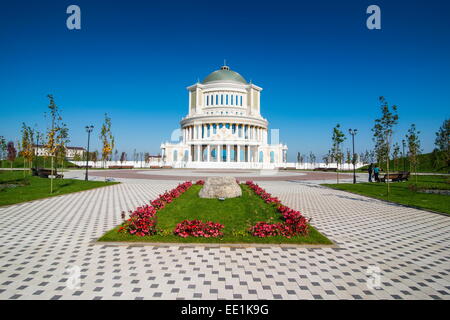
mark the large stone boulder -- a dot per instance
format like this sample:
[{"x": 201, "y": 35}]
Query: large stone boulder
[{"x": 220, "y": 187}]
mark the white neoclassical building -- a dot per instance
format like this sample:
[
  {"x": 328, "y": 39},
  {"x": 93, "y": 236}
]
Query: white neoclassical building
[{"x": 224, "y": 127}]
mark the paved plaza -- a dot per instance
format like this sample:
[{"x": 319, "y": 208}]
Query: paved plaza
[{"x": 383, "y": 251}]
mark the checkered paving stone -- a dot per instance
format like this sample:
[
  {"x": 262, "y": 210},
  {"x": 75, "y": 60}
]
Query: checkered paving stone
[{"x": 44, "y": 243}]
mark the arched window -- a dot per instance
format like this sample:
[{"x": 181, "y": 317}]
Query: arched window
[
  {"x": 207, "y": 100},
  {"x": 261, "y": 156},
  {"x": 240, "y": 131},
  {"x": 240, "y": 101},
  {"x": 272, "y": 157},
  {"x": 214, "y": 128},
  {"x": 208, "y": 130},
  {"x": 217, "y": 99},
  {"x": 233, "y": 128},
  {"x": 175, "y": 155},
  {"x": 226, "y": 99},
  {"x": 227, "y": 125},
  {"x": 221, "y": 99}
]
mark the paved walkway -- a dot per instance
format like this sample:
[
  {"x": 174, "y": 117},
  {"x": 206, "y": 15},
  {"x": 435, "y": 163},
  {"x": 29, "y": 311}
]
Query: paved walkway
[{"x": 44, "y": 245}]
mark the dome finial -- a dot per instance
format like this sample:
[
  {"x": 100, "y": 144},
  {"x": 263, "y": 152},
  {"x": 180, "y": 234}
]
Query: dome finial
[{"x": 225, "y": 67}]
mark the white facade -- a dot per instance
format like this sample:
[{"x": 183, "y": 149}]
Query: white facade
[
  {"x": 71, "y": 152},
  {"x": 224, "y": 127}
]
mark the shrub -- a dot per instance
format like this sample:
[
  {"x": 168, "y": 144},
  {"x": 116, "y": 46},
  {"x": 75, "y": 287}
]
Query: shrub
[
  {"x": 198, "y": 228},
  {"x": 200, "y": 182},
  {"x": 142, "y": 222}
]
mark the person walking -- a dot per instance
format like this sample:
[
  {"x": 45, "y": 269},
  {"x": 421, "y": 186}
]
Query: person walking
[
  {"x": 376, "y": 172},
  {"x": 370, "y": 170}
]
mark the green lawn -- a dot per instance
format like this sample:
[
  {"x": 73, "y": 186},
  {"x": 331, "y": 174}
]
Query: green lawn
[
  {"x": 16, "y": 188},
  {"x": 236, "y": 214},
  {"x": 404, "y": 192}
]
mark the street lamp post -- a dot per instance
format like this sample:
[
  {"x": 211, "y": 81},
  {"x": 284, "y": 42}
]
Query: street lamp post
[
  {"x": 404, "y": 158},
  {"x": 353, "y": 133},
  {"x": 88, "y": 130}
]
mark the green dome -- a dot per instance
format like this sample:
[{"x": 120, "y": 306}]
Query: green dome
[{"x": 224, "y": 74}]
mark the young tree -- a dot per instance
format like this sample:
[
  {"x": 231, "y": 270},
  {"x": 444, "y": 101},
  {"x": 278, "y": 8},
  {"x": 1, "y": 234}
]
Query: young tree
[
  {"x": 349, "y": 157},
  {"x": 62, "y": 140},
  {"x": 382, "y": 133},
  {"x": 12, "y": 152},
  {"x": 52, "y": 132},
  {"x": 413, "y": 147},
  {"x": 442, "y": 142},
  {"x": 396, "y": 155},
  {"x": 27, "y": 145},
  {"x": 94, "y": 157},
  {"x": 3, "y": 148},
  {"x": 312, "y": 159},
  {"x": 338, "y": 138},
  {"x": 107, "y": 140},
  {"x": 123, "y": 157}
]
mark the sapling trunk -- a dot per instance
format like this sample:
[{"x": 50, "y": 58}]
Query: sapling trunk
[{"x": 51, "y": 179}]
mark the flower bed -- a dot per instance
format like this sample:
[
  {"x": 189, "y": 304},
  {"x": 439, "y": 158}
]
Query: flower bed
[
  {"x": 187, "y": 218},
  {"x": 294, "y": 222},
  {"x": 142, "y": 221},
  {"x": 198, "y": 228}
]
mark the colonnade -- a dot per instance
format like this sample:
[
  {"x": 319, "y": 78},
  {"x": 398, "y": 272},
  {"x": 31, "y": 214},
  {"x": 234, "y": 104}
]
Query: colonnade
[{"x": 239, "y": 131}]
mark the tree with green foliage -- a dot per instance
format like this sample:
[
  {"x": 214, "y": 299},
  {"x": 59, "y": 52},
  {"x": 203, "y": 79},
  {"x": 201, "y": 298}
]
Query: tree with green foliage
[
  {"x": 77, "y": 157},
  {"x": 27, "y": 146},
  {"x": 3, "y": 148},
  {"x": 349, "y": 157},
  {"x": 52, "y": 134},
  {"x": 382, "y": 134},
  {"x": 12, "y": 152},
  {"x": 395, "y": 155},
  {"x": 94, "y": 157},
  {"x": 62, "y": 140},
  {"x": 312, "y": 158},
  {"x": 442, "y": 142},
  {"x": 123, "y": 157},
  {"x": 337, "y": 138},
  {"x": 107, "y": 140},
  {"x": 413, "y": 141}
]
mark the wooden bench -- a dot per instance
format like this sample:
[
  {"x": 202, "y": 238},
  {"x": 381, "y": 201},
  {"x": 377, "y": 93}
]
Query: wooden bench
[
  {"x": 396, "y": 177},
  {"x": 44, "y": 173},
  {"x": 120, "y": 167},
  {"x": 325, "y": 169}
]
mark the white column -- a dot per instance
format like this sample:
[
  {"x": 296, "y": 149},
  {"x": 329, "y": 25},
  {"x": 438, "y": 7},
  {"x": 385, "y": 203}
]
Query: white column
[
  {"x": 199, "y": 147},
  {"x": 238, "y": 153},
  {"x": 208, "y": 150},
  {"x": 219, "y": 153},
  {"x": 248, "y": 153},
  {"x": 228, "y": 153}
]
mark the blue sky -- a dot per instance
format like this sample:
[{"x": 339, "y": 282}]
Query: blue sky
[{"x": 318, "y": 64}]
